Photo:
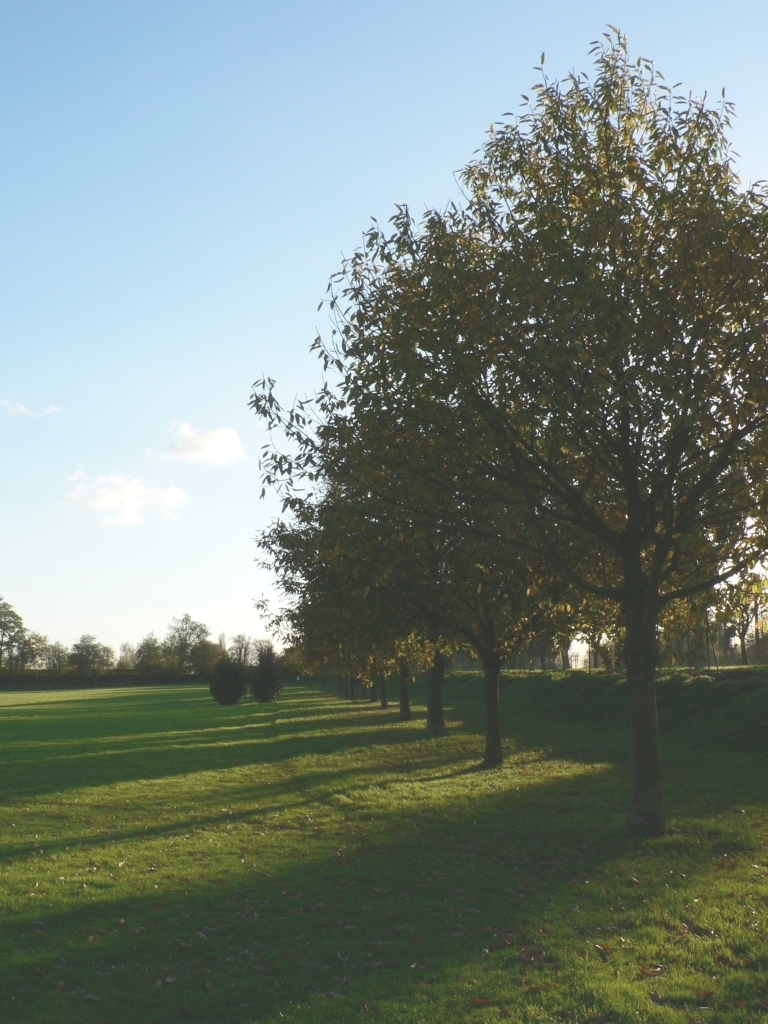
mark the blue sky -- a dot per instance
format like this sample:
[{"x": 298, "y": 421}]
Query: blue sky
[{"x": 178, "y": 180}]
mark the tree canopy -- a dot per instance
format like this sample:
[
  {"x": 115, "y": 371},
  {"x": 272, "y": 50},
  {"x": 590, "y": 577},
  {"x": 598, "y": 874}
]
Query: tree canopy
[{"x": 586, "y": 334}]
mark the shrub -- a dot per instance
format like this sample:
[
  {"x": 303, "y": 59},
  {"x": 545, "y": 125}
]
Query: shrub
[
  {"x": 265, "y": 675},
  {"x": 228, "y": 682}
]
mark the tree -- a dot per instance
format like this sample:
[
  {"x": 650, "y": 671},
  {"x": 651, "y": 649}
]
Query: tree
[
  {"x": 205, "y": 655},
  {"x": 183, "y": 636},
  {"x": 228, "y": 681},
  {"x": 739, "y": 602},
  {"x": 149, "y": 654},
  {"x": 242, "y": 649},
  {"x": 89, "y": 657},
  {"x": 55, "y": 657},
  {"x": 590, "y": 327},
  {"x": 265, "y": 675},
  {"x": 11, "y": 629},
  {"x": 29, "y": 650},
  {"x": 127, "y": 657}
]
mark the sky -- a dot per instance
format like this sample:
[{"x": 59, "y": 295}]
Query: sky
[{"x": 178, "y": 182}]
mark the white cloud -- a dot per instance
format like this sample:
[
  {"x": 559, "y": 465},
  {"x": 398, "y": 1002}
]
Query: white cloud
[
  {"x": 216, "y": 447},
  {"x": 15, "y": 408},
  {"x": 19, "y": 409},
  {"x": 122, "y": 500}
]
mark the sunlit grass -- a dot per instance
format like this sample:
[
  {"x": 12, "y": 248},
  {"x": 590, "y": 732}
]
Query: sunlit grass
[{"x": 166, "y": 859}]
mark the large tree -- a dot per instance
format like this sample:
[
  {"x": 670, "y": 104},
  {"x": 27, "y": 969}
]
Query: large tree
[
  {"x": 590, "y": 327},
  {"x": 184, "y": 642}
]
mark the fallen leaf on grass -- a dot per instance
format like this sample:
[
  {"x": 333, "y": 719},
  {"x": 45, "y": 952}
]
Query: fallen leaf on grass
[
  {"x": 209, "y": 984},
  {"x": 60, "y": 986},
  {"x": 650, "y": 972},
  {"x": 504, "y": 1012},
  {"x": 482, "y": 1002},
  {"x": 170, "y": 979},
  {"x": 158, "y": 984},
  {"x": 533, "y": 990},
  {"x": 96, "y": 999},
  {"x": 657, "y": 998}
]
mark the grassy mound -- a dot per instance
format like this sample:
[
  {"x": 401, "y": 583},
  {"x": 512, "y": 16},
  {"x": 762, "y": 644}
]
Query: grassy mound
[{"x": 167, "y": 859}]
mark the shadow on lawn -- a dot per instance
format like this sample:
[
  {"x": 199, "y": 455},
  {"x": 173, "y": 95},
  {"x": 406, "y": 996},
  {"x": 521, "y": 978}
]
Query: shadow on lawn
[
  {"x": 125, "y": 741},
  {"x": 398, "y": 899},
  {"x": 419, "y": 868},
  {"x": 132, "y": 736},
  {"x": 499, "y": 864}
]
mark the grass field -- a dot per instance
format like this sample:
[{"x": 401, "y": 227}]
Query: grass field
[{"x": 165, "y": 859}]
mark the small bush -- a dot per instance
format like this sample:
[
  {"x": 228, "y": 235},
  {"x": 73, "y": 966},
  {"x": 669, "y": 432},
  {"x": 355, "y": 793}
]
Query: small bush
[
  {"x": 265, "y": 675},
  {"x": 228, "y": 682}
]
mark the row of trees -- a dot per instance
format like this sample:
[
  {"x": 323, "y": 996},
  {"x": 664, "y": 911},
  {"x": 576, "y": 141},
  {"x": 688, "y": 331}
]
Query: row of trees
[
  {"x": 546, "y": 409},
  {"x": 186, "y": 649}
]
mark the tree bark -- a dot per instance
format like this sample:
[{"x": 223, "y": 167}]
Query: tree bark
[
  {"x": 384, "y": 701},
  {"x": 405, "y": 704},
  {"x": 565, "y": 659},
  {"x": 743, "y": 646},
  {"x": 646, "y": 803},
  {"x": 494, "y": 755},
  {"x": 435, "y": 713}
]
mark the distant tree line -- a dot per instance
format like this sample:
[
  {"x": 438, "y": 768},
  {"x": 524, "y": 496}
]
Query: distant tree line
[{"x": 186, "y": 651}]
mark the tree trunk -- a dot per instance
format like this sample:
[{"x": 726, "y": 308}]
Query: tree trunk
[
  {"x": 435, "y": 714},
  {"x": 646, "y": 803},
  {"x": 743, "y": 646},
  {"x": 405, "y": 704},
  {"x": 384, "y": 701},
  {"x": 373, "y": 692},
  {"x": 494, "y": 754},
  {"x": 565, "y": 659}
]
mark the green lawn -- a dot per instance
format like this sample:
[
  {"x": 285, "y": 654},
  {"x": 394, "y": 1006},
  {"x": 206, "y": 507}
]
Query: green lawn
[{"x": 165, "y": 859}]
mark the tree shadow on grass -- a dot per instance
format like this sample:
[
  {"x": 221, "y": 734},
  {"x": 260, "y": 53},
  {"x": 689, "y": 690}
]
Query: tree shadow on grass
[
  {"x": 446, "y": 885},
  {"x": 406, "y": 919},
  {"x": 453, "y": 863},
  {"x": 66, "y": 745}
]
